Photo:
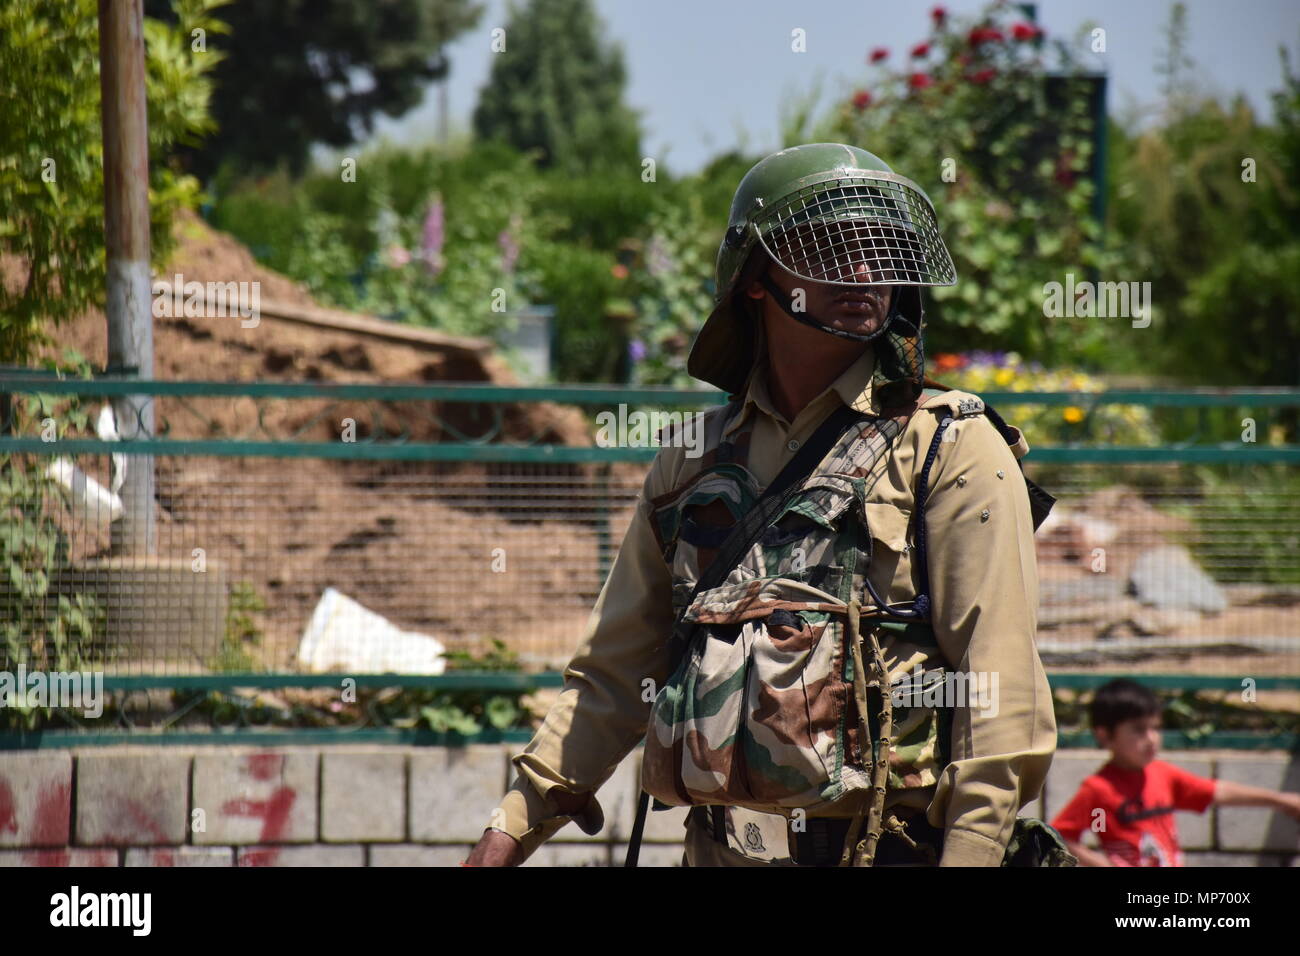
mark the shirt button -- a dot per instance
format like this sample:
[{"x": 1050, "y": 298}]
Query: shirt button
[{"x": 792, "y": 444}]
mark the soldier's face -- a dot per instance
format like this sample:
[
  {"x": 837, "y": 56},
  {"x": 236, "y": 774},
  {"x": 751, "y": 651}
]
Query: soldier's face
[{"x": 854, "y": 305}]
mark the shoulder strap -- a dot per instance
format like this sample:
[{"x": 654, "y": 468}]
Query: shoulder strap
[
  {"x": 747, "y": 530},
  {"x": 1040, "y": 502}
]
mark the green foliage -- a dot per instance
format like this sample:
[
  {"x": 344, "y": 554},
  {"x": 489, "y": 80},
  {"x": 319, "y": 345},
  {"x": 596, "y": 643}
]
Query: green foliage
[
  {"x": 470, "y": 711},
  {"x": 674, "y": 284},
  {"x": 557, "y": 88},
  {"x": 43, "y": 625},
  {"x": 296, "y": 74},
  {"x": 46, "y": 623},
  {"x": 506, "y": 226},
  {"x": 241, "y": 630},
  {"x": 51, "y": 154},
  {"x": 1221, "y": 250},
  {"x": 1015, "y": 206}
]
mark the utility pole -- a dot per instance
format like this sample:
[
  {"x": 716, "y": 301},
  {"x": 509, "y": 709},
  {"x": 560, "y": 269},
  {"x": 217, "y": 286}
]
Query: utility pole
[{"x": 126, "y": 233}]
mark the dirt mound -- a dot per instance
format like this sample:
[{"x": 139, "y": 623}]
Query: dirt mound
[
  {"x": 414, "y": 541},
  {"x": 294, "y": 340}
]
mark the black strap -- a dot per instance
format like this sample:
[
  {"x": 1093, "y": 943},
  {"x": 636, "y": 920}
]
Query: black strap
[
  {"x": 741, "y": 538},
  {"x": 768, "y": 508},
  {"x": 1040, "y": 502}
]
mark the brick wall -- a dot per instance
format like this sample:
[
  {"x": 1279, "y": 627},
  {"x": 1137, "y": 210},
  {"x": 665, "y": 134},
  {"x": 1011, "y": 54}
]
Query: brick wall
[{"x": 426, "y": 806}]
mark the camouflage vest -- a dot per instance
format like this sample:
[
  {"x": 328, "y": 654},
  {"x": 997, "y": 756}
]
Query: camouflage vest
[{"x": 760, "y": 712}]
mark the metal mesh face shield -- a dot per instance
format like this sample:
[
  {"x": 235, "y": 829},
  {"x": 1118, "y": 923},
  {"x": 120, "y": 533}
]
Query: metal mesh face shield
[{"x": 860, "y": 227}]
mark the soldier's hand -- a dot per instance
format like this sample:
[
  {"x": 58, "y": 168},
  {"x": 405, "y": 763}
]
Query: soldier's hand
[{"x": 496, "y": 848}]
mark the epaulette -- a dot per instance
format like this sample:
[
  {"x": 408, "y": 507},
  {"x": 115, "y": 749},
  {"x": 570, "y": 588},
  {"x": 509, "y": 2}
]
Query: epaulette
[{"x": 961, "y": 404}]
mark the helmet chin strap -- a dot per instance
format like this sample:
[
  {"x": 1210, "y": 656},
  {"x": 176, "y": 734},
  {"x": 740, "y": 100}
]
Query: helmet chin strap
[{"x": 787, "y": 303}]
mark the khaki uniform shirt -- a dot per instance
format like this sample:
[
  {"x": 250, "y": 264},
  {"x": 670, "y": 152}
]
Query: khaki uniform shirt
[{"x": 984, "y": 589}]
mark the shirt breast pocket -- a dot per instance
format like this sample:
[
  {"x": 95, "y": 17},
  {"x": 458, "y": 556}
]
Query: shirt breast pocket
[
  {"x": 890, "y": 570},
  {"x": 806, "y": 541}
]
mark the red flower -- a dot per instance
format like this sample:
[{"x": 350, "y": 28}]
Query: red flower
[
  {"x": 920, "y": 50},
  {"x": 938, "y": 15},
  {"x": 1064, "y": 175},
  {"x": 983, "y": 76},
  {"x": 1025, "y": 31},
  {"x": 861, "y": 99},
  {"x": 919, "y": 81},
  {"x": 984, "y": 35},
  {"x": 878, "y": 54}
]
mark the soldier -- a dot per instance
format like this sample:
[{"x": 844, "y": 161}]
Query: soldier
[{"x": 895, "y": 565}]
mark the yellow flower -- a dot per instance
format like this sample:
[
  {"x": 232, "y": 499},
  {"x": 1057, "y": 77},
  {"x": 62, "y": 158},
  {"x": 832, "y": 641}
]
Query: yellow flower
[
  {"x": 1004, "y": 376},
  {"x": 1073, "y": 414}
]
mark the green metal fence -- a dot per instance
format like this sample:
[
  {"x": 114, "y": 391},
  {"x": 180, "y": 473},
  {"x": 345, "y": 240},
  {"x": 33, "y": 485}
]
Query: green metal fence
[{"x": 305, "y": 531}]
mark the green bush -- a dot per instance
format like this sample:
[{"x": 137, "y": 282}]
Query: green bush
[{"x": 51, "y": 153}]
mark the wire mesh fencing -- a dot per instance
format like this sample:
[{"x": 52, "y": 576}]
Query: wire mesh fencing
[
  {"x": 294, "y": 564},
  {"x": 293, "y": 557},
  {"x": 274, "y": 565}
]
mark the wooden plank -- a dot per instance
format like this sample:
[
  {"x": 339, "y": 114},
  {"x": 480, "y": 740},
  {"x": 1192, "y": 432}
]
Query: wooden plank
[{"x": 342, "y": 321}]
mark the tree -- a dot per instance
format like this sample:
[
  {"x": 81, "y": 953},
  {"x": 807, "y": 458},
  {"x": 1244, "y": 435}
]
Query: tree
[
  {"x": 51, "y": 154},
  {"x": 1205, "y": 206},
  {"x": 556, "y": 87},
  {"x": 297, "y": 73}
]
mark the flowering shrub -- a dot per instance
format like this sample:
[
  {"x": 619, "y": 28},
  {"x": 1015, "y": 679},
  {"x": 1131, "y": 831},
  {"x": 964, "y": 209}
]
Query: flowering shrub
[
  {"x": 674, "y": 282},
  {"x": 1004, "y": 151},
  {"x": 981, "y": 372}
]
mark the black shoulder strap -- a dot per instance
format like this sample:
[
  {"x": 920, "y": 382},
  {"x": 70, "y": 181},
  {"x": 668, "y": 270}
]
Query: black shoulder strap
[
  {"x": 769, "y": 505},
  {"x": 1040, "y": 502}
]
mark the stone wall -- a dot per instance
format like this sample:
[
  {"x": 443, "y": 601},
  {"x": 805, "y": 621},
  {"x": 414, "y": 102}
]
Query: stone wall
[{"x": 342, "y": 805}]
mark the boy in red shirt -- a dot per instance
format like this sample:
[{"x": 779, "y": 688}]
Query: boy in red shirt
[{"x": 1130, "y": 802}]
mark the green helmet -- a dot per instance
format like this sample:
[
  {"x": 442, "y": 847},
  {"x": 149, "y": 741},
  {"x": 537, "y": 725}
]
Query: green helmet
[{"x": 825, "y": 212}]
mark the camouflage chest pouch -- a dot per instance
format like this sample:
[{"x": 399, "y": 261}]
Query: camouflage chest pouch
[{"x": 772, "y": 696}]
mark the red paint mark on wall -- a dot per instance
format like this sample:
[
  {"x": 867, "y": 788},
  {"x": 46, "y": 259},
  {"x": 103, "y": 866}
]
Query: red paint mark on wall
[
  {"x": 64, "y": 857},
  {"x": 8, "y": 817},
  {"x": 274, "y": 812},
  {"x": 130, "y": 820},
  {"x": 258, "y": 856},
  {"x": 53, "y": 814},
  {"x": 265, "y": 766},
  {"x": 47, "y": 858}
]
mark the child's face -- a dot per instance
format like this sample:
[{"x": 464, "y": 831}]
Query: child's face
[{"x": 1133, "y": 743}]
